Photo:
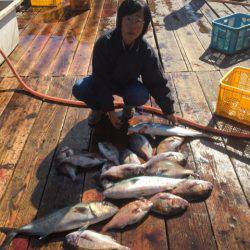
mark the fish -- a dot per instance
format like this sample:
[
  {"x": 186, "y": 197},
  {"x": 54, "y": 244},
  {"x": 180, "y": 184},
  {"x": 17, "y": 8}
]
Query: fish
[
  {"x": 177, "y": 157},
  {"x": 123, "y": 171},
  {"x": 109, "y": 151},
  {"x": 88, "y": 239},
  {"x": 159, "y": 165},
  {"x": 171, "y": 143},
  {"x": 140, "y": 186},
  {"x": 127, "y": 156},
  {"x": 195, "y": 190},
  {"x": 168, "y": 204},
  {"x": 149, "y": 185},
  {"x": 140, "y": 145},
  {"x": 84, "y": 161},
  {"x": 68, "y": 218},
  {"x": 129, "y": 214},
  {"x": 68, "y": 170},
  {"x": 163, "y": 130},
  {"x": 63, "y": 153}
]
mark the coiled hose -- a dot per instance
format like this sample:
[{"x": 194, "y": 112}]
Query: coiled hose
[{"x": 118, "y": 105}]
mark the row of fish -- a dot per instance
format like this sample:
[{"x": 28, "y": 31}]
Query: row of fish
[
  {"x": 82, "y": 215},
  {"x": 69, "y": 164}
]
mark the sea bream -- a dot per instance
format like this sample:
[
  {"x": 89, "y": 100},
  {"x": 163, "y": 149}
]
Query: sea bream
[
  {"x": 129, "y": 214},
  {"x": 87, "y": 239},
  {"x": 149, "y": 185},
  {"x": 68, "y": 218},
  {"x": 161, "y": 166},
  {"x": 163, "y": 130},
  {"x": 168, "y": 204}
]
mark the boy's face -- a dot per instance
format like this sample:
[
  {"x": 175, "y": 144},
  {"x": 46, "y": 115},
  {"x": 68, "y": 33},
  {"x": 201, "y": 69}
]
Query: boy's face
[{"x": 132, "y": 27}]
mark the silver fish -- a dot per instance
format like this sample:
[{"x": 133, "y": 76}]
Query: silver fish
[
  {"x": 123, "y": 171},
  {"x": 109, "y": 151},
  {"x": 150, "y": 185},
  {"x": 127, "y": 157},
  {"x": 141, "y": 186},
  {"x": 131, "y": 213},
  {"x": 141, "y": 146},
  {"x": 92, "y": 240},
  {"x": 68, "y": 218},
  {"x": 163, "y": 130},
  {"x": 170, "y": 144},
  {"x": 168, "y": 204},
  {"x": 159, "y": 165}
]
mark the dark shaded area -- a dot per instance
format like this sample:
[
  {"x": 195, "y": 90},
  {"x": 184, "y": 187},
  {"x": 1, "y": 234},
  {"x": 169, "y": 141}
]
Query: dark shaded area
[
  {"x": 184, "y": 16},
  {"x": 224, "y": 61}
]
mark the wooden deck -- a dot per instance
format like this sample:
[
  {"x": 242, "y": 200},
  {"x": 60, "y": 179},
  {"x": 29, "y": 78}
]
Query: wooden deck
[{"x": 55, "y": 49}]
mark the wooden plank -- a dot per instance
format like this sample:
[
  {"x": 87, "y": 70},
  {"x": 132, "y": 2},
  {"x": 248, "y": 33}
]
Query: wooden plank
[
  {"x": 237, "y": 150},
  {"x": 237, "y": 3},
  {"x": 70, "y": 25},
  {"x": 66, "y": 53},
  {"x": 86, "y": 43},
  {"x": 237, "y": 8},
  {"x": 7, "y": 87},
  {"x": 227, "y": 205},
  {"x": 26, "y": 39},
  {"x": 22, "y": 198},
  {"x": 15, "y": 124},
  {"x": 173, "y": 61},
  {"x": 187, "y": 36},
  {"x": 24, "y": 18},
  {"x": 220, "y": 8},
  {"x": 31, "y": 56}
]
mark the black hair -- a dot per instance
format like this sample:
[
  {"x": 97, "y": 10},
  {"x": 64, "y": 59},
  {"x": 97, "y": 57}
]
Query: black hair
[{"x": 129, "y": 7}]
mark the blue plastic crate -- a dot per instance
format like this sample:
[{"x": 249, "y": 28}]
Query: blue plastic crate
[{"x": 231, "y": 34}]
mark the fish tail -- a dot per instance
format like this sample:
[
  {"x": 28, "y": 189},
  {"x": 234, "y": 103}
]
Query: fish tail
[{"x": 11, "y": 233}]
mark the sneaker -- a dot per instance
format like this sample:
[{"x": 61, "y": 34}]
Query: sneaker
[
  {"x": 128, "y": 112},
  {"x": 94, "y": 117}
]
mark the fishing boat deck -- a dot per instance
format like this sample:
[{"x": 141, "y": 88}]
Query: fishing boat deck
[{"x": 54, "y": 50}]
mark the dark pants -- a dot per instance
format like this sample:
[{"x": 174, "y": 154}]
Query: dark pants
[{"x": 134, "y": 95}]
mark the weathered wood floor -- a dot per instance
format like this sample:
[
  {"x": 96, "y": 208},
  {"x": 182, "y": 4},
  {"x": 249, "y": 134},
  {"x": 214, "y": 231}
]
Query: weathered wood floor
[{"x": 55, "y": 49}]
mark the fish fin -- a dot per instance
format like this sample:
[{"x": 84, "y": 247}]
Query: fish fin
[
  {"x": 84, "y": 227},
  {"x": 43, "y": 237},
  {"x": 9, "y": 237}
]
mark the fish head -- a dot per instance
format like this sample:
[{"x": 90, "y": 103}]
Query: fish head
[
  {"x": 72, "y": 238},
  {"x": 194, "y": 190},
  {"x": 140, "y": 128},
  {"x": 103, "y": 209},
  {"x": 145, "y": 204}
]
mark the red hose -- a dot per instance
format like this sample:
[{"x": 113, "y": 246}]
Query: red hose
[{"x": 117, "y": 105}]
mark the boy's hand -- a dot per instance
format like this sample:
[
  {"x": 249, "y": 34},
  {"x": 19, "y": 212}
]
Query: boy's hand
[
  {"x": 172, "y": 119},
  {"x": 115, "y": 120}
]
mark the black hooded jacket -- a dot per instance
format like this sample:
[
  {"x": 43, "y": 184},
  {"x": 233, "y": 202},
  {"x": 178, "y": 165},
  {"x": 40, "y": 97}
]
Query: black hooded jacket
[{"x": 115, "y": 67}]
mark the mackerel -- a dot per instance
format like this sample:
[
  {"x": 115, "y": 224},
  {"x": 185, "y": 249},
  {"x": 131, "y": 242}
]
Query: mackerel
[{"x": 163, "y": 130}]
